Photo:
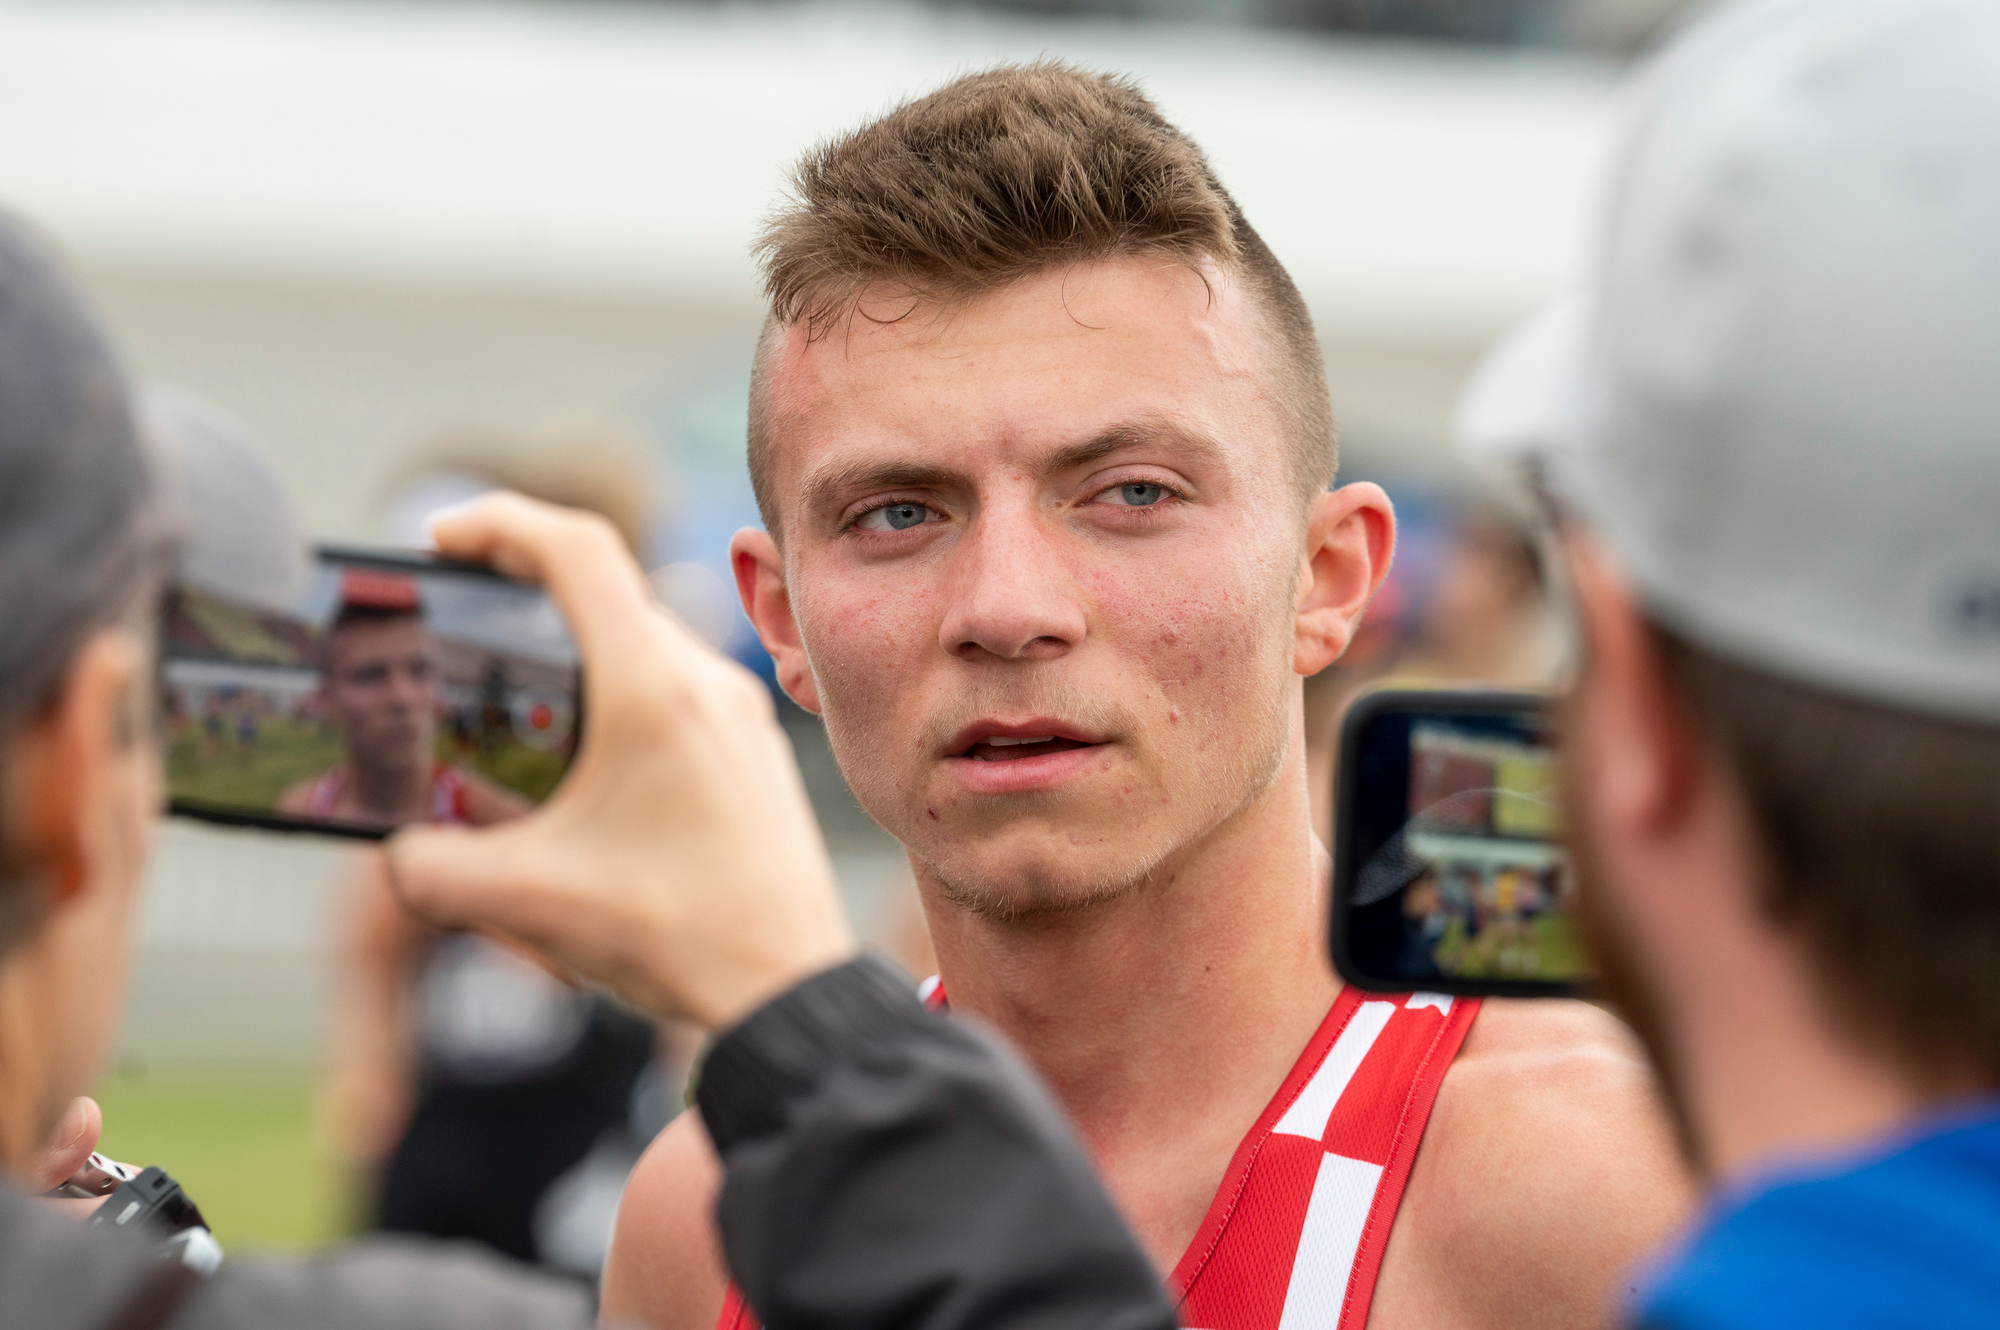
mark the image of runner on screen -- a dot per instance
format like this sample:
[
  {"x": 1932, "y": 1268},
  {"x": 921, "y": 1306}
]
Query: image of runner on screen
[{"x": 380, "y": 690}]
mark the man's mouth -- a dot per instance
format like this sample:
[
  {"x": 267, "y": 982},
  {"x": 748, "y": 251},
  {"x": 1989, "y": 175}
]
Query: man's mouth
[
  {"x": 1001, "y": 749},
  {"x": 992, "y": 741}
]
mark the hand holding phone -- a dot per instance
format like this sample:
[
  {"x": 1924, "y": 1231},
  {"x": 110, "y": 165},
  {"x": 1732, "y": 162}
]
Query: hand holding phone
[
  {"x": 1450, "y": 872},
  {"x": 679, "y": 863}
]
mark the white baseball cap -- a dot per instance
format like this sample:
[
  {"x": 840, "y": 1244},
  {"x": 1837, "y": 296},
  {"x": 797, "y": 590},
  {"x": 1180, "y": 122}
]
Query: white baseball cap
[{"x": 1779, "y": 402}]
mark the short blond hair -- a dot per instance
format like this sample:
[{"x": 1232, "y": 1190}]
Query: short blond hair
[{"x": 1003, "y": 174}]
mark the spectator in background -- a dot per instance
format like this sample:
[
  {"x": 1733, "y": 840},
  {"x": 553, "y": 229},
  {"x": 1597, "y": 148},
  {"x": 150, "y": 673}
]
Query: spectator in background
[
  {"x": 481, "y": 1096},
  {"x": 1486, "y": 617}
]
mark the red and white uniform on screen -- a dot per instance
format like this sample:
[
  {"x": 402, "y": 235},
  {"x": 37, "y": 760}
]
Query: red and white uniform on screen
[
  {"x": 447, "y": 793},
  {"x": 1294, "y": 1237}
]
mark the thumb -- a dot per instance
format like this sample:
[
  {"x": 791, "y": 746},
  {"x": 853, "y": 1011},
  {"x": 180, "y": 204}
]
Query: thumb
[
  {"x": 454, "y": 877},
  {"x": 74, "y": 1137}
]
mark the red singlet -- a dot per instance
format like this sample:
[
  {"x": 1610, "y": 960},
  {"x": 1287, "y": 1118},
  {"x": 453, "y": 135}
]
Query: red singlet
[
  {"x": 447, "y": 793},
  {"x": 1294, "y": 1237}
]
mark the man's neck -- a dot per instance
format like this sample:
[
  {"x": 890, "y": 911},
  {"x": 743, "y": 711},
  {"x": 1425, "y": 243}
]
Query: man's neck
[
  {"x": 25, "y": 1057},
  {"x": 393, "y": 794},
  {"x": 1198, "y": 987}
]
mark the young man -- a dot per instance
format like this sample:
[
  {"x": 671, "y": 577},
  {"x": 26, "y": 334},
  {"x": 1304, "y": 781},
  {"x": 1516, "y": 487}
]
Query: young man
[
  {"x": 381, "y": 691},
  {"x": 1776, "y": 438},
  {"x": 1041, "y": 433}
]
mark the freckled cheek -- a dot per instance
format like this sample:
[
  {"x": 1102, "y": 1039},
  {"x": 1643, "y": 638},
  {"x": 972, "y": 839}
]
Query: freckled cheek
[
  {"x": 1189, "y": 642},
  {"x": 865, "y": 633},
  {"x": 870, "y": 653},
  {"x": 1196, "y": 638}
]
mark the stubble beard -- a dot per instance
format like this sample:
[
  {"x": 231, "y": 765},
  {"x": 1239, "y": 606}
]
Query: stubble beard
[
  {"x": 1032, "y": 895},
  {"x": 1035, "y": 893}
]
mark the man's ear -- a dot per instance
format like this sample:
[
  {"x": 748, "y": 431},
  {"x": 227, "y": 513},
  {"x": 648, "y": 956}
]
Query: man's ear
[
  {"x": 1350, "y": 536},
  {"x": 760, "y": 581},
  {"x": 64, "y": 759},
  {"x": 1637, "y": 741}
]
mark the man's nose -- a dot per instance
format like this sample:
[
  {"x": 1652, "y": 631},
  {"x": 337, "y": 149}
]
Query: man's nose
[{"x": 1014, "y": 596}]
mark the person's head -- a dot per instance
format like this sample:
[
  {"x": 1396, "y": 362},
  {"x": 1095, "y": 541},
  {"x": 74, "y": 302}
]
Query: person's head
[
  {"x": 1484, "y": 606},
  {"x": 381, "y": 676},
  {"x": 1040, "y": 431},
  {"x": 80, "y": 565},
  {"x": 1748, "y": 837},
  {"x": 1774, "y": 431}
]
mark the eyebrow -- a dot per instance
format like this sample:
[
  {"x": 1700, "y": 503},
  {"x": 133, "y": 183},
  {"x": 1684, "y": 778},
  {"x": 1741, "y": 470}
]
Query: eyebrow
[
  {"x": 836, "y": 479},
  {"x": 1132, "y": 434}
]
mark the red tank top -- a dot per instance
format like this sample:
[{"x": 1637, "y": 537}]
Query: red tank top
[
  {"x": 1294, "y": 1237},
  {"x": 447, "y": 793}
]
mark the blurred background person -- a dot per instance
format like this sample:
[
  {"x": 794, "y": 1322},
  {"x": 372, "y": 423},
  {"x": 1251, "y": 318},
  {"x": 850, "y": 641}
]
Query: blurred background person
[
  {"x": 477, "y": 1095},
  {"x": 1485, "y": 617}
]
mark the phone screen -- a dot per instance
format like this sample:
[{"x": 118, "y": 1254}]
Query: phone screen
[
  {"x": 388, "y": 690},
  {"x": 1450, "y": 869}
]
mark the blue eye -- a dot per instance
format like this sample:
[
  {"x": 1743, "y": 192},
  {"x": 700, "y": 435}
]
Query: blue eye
[
  {"x": 1141, "y": 493},
  {"x": 895, "y": 517}
]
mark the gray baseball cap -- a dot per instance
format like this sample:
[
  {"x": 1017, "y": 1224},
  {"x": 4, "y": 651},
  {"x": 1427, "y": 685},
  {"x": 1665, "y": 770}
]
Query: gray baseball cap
[
  {"x": 1779, "y": 401},
  {"x": 75, "y": 510}
]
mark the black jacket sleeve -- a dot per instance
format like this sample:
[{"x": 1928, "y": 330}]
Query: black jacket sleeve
[{"x": 888, "y": 1167}]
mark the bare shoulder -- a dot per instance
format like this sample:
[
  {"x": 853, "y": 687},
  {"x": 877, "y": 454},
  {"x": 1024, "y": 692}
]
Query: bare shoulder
[
  {"x": 1543, "y": 1035},
  {"x": 1547, "y": 1173},
  {"x": 1562, "y": 1083},
  {"x": 665, "y": 1270}
]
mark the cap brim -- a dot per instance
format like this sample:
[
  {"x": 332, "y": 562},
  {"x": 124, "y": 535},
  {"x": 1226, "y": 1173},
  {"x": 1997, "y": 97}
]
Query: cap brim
[
  {"x": 233, "y": 524},
  {"x": 1527, "y": 398}
]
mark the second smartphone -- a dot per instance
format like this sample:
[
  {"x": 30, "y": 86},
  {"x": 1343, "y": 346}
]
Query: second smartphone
[{"x": 1450, "y": 870}]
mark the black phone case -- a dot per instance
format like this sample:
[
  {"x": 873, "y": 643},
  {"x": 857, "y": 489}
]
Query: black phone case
[{"x": 1347, "y": 797}]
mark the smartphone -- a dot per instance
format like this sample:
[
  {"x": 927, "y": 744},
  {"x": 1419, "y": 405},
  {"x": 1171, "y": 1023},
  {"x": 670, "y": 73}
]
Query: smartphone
[
  {"x": 1450, "y": 872},
  {"x": 389, "y": 689}
]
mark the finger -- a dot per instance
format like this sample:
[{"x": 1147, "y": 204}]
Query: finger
[
  {"x": 455, "y": 878},
  {"x": 69, "y": 1145},
  {"x": 483, "y": 881}
]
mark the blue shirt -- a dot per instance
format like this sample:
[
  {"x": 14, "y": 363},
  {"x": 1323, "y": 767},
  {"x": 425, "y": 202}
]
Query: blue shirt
[{"x": 1906, "y": 1236}]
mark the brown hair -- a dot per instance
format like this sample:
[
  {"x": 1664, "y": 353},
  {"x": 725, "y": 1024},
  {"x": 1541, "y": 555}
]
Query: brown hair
[
  {"x": 1883, "y": 829},
  {"x": 1003, "y": 174}
]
